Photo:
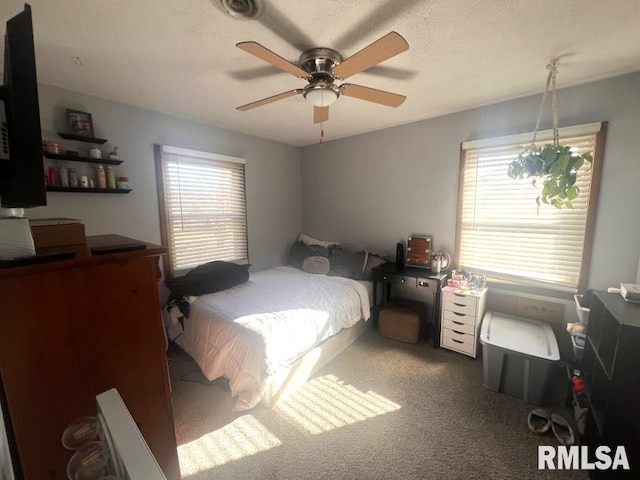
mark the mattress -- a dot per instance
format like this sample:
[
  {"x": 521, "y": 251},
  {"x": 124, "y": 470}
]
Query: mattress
[{"x": 249, "y": 333}]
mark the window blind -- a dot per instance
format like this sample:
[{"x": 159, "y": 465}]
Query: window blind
[
  {"x": 205, "y": 215},
  {"x": 502, "y": 233}
]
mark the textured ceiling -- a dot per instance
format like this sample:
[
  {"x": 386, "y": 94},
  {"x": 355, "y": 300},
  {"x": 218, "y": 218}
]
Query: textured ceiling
[{"x": 179, "y": 57}]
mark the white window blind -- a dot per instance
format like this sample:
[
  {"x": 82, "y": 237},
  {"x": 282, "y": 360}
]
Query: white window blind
[
  {"x": 205, "y": 215},
  {"x": 502, "y": 233}
]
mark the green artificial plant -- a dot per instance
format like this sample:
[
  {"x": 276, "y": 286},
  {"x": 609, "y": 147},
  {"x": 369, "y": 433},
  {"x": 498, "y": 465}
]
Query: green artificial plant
[{"x": 557, "y": 166}]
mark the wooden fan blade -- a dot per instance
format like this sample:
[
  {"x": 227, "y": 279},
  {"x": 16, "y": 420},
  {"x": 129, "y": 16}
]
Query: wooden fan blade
[
  {"x": 320, "y": 114},
  {"x": 372, "y": 95},
  {"x": 274, "y": 59},
  {"x": 382, "y": 49},
  {"x": 267, "y": 100}
]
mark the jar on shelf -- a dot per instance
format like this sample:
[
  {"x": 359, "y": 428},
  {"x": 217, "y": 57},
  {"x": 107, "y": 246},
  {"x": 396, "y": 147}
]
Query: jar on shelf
[
  {"x": 50, "y": 146},
  {"x": 95, "y": 152},
  {"x": 123, "y": 183}
]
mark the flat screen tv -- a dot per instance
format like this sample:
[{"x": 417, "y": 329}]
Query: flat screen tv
[{"x": 21, "y": 164}]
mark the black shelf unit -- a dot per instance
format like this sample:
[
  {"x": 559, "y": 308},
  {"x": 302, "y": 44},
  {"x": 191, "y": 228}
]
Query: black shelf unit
[
  {"x": 87, "y": 190},
  {"x": 82, "y": 138},
  {"x": 612, "y": 380},
  {"x": 76, "y": 158}
]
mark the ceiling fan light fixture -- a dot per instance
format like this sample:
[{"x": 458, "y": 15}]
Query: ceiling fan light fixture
[
  {"x": 240, "y": 9},
  {"x": 321, "y": 94}
]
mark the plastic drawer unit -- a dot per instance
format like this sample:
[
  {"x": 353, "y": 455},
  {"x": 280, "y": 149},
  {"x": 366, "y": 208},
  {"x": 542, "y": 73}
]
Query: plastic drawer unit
[
  {"x": 519, "y": 356},
  {"x": 462, "y": 313}
]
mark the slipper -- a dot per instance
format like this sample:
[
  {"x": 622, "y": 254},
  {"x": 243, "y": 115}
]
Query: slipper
[
  {"x": 539, "y": 421},
  {"x": 562, "y": 430}
]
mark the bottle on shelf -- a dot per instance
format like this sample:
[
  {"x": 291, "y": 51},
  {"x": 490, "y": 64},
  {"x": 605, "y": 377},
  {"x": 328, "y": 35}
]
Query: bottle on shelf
[
  {"x": 73, "y": 178},
  {"x": 64, "y": 177},
  {"x": 102, "y": 179},
  {"x": 52, "y": 177},
  {"x": 111, "y": 178}
]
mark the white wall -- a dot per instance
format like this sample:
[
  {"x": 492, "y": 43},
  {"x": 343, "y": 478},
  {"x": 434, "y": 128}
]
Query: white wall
[
  {"x": 272, "y": 173},
  {"x": 374, "y": 189}
]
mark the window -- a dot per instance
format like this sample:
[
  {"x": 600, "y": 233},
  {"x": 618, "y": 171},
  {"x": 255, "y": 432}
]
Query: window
[
  {"x": 202, "y": 207},
  {"x": 500, "y": 231}
]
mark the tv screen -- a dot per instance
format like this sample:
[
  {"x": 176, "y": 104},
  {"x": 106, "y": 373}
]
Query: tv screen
[{"x": 21, "y": 164}]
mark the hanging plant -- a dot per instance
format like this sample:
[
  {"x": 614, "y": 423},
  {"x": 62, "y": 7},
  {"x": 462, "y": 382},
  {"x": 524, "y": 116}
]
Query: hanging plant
[{"x": 555, "y": 164}]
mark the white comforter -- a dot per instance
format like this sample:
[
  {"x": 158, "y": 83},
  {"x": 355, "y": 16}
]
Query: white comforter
[{"x": 248, "y": 332}]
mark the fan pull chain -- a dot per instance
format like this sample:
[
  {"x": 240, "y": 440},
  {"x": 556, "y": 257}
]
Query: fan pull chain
[{"x": 321, "y": 134}]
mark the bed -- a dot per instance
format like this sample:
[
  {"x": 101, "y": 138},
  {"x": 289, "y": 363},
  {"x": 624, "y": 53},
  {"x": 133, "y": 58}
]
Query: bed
[{"x": 270, "y": 334}]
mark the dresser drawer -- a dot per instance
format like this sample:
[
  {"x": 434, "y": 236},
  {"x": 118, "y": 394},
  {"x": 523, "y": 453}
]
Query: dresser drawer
[
  {"x": 393, "y": 279},
  {"x": 460, "y": 298},
  {"x": 459, "y": 326},
  {"x": 460, "y": 308},
  {"x": 461, "y": 342},
  {"x": 459, "y": 318}
]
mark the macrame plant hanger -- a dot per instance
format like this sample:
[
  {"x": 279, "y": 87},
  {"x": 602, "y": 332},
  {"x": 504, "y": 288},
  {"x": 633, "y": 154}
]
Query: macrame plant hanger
[{"x": 551, "y": 84}]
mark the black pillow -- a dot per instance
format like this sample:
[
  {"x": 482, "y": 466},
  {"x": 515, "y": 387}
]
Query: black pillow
[
  {"x": 300, "y": 251},
  {"x": 347, "y": 263},
  {"x": 208, "y": 278}
]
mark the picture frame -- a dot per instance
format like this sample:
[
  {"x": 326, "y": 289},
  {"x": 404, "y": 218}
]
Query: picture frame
[
  {"x": 419, "y": 250},
  {"x": 79, "y": 123}
]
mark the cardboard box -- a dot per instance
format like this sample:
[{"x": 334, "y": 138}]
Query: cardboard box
[{"x": 58, "y": 235}]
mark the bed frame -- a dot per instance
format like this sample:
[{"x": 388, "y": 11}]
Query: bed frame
[{"x": 285, "y": 381}]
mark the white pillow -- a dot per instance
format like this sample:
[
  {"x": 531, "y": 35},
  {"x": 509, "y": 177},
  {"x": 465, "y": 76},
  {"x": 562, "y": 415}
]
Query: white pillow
[
  {"x": 318, "y": 265},
  {"x": 314, "y": 241}
]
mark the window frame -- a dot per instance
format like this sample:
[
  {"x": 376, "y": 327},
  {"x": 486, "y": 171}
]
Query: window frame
[
  {"x": 164, "y": 224},
  {"x": 594, "y": 193}
]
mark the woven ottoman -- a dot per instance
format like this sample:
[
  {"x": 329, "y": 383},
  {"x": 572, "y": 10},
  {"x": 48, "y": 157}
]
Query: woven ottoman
[{"x": 399, "y": 323}]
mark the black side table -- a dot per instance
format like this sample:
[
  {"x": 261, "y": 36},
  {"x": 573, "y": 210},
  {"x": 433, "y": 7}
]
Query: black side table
[{"x": 427, "y": 284}]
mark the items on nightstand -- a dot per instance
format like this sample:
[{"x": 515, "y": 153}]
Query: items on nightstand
[{"x": 462, "y": 312}]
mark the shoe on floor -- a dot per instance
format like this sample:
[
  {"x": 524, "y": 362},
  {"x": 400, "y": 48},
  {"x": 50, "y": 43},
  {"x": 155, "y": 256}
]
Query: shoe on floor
[
  {"x": 539, "y": 421},
  {"x": 562, "y": 430}
]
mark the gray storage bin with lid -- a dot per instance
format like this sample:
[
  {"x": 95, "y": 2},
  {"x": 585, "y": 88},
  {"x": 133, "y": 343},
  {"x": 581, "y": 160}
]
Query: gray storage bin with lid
[{"x": 518, "y": 356}]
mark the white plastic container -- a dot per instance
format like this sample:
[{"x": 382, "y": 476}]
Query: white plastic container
[{"x": 518, "y": 356}]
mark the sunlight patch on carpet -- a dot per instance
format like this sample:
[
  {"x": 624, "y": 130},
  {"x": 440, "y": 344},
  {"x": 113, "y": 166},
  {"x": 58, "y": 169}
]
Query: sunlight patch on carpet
[
  {"x": 243, "y": 437},
  {"x": 326, "y": 403}
]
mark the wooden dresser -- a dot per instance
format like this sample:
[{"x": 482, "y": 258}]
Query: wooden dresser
[{"x": 71, "y": 329}]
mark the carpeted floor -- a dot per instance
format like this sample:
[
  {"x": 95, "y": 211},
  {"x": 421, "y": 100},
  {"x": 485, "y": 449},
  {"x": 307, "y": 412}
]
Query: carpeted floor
[{"x": 380, "y": 410}]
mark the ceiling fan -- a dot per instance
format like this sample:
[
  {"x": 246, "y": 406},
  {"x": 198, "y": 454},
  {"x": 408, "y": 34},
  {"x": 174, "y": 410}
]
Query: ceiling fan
[{"x": 321, "y": 67}]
